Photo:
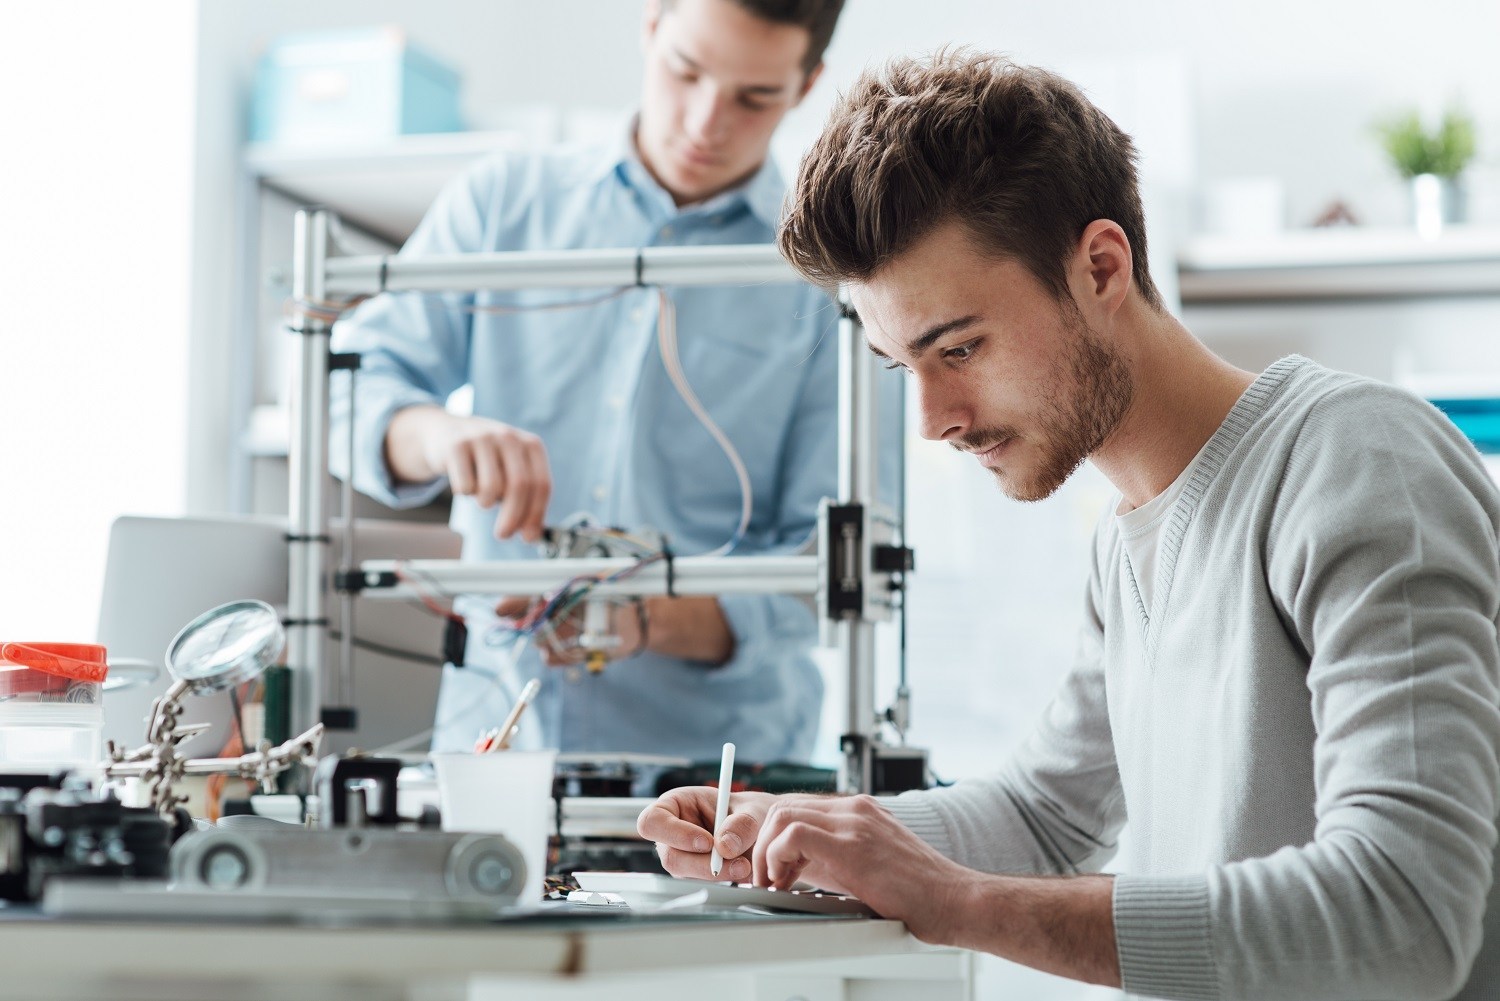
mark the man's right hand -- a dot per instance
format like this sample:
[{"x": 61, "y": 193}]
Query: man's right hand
[
  {"x": 483, "y": 458},
  {"x": 681, "y": 823}
]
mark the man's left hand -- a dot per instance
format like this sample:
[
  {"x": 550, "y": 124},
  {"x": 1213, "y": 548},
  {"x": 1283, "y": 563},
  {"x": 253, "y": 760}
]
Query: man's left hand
[{"x": 853, "y": 845}]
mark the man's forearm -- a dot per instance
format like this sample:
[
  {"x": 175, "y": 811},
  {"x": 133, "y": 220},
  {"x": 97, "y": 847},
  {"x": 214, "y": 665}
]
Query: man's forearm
[
  {"x": 1058, "y": 924},
  {"x": 689, "y": 628}
]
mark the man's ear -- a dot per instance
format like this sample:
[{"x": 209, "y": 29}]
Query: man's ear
[
  {"x": 807, "y": 85},
  {"x": 650, "y": 20},
  {"x": 1102, "y": 269}
]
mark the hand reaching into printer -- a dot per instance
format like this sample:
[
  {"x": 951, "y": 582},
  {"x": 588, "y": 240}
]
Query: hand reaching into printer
[{"x": 492, "y": 461}]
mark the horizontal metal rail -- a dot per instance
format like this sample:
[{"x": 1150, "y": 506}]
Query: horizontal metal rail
[
  {"x": 747, "y": 264},
  {"x": 689, "y": 575}
]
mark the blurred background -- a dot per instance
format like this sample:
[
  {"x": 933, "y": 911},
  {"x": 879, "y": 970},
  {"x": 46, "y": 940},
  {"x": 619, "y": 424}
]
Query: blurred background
[{"x": 145, "y": 237}]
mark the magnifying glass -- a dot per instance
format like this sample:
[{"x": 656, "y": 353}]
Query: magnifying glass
[{"x": 225, "y": 647}]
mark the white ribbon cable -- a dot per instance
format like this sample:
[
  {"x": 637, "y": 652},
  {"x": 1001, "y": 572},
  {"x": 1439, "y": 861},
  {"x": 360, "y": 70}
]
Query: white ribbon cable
[{"x": 666, "y": 329}]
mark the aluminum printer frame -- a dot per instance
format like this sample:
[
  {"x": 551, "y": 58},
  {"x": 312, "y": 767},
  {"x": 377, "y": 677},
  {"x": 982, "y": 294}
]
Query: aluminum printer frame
[{"x": 855, "y": 576}]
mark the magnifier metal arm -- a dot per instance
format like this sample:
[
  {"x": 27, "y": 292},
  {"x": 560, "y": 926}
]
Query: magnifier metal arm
[
  {"x": 164, "y": 713},
  {"x": 264, "y": 763},
  {"x": 117, "y": 753},
  {"x": 224, "y": 647},
  {"x": 157, "y": 761}
]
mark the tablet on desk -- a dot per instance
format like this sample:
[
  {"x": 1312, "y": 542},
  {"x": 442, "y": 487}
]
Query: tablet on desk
[{"x": 646, "y": 890}]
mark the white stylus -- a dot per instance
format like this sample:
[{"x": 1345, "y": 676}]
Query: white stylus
[{"x": 726, "y": 777}]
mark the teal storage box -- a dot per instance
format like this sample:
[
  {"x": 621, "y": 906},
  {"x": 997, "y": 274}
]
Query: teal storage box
[
  {"x": 1477, "y": 417},
  {"x": 360, "y": 84}
]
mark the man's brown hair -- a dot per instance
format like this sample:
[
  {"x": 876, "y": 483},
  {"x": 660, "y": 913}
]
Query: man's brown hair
[
  {"x": 819, "y": 17},
  {"x": 1016, "y": 154}
]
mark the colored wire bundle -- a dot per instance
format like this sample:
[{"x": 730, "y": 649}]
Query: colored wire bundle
[
  {"x": 427, "y": 590},
  {"x": 579, "y": 536},
  {"x": 574, "y": 593},
  {"x": 327, "y": 312}
]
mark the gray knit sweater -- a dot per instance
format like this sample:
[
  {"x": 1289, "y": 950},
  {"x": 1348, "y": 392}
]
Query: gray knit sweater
[{"x": 1303, "y": 727}]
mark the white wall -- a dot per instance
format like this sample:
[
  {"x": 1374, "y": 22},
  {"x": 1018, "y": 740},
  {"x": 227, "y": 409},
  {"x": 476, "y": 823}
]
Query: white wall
[
  {"x": 94, "y": 188},
  {"x": 1281, "y": 87}
]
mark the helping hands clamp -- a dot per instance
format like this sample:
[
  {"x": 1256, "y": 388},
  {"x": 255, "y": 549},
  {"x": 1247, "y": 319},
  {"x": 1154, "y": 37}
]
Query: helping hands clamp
[{"x": 160, "y": 763}]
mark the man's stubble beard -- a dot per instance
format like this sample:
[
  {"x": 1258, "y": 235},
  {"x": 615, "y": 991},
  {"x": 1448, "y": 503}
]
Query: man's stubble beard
[{"x": 1075, "y": 424}]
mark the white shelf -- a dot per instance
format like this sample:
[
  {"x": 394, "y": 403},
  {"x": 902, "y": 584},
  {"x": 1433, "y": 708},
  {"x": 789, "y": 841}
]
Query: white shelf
[
  {"x": 1341, "y": 263},
  {"x": 383, "y": 187},
  {"x": 268, "y": 433},
  {"x": 1340, "y": 246}
]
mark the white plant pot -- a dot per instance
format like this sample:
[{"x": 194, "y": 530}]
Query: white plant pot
[{"x": 1435, "y": 202}]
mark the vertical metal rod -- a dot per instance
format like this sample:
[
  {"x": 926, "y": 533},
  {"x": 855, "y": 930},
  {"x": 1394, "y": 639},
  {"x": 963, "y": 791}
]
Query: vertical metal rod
[
  {"x": 856, "y": 412},
  {"x": 857, "y": 462},
  {"x": 898, "y": 512},
  {"x": 347, "y": 560},
  {"x": 307, "y": 535}
]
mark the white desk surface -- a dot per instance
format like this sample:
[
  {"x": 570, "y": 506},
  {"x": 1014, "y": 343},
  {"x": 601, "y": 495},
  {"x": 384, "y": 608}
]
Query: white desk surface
[{"x": 49, "y": 958}]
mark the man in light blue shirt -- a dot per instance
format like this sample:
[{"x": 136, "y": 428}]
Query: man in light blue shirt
[{"x": 573, "y": 409}]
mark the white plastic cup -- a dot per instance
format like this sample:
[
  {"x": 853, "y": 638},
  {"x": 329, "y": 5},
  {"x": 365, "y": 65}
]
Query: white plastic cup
[{"x": 506, "y": 792}]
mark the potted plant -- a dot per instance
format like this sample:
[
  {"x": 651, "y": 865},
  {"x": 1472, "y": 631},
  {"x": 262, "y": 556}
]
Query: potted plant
[{"x": 1431, "y": 161}]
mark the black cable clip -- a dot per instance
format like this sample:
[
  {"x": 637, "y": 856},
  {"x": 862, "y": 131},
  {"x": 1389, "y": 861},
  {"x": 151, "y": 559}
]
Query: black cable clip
[
  {"x": 353, "y": 580},
  {"x": 666, "y": 554},
  {"x": 455, "y": 641}
]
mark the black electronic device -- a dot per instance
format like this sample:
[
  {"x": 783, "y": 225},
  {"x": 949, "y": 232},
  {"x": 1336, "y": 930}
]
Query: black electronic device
[
  {"x": 357, "y": 790},
  {"x": 47, "y": 831}
]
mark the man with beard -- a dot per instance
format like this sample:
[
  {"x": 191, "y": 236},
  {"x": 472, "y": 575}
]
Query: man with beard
[{"x": 1288, "y": 678}]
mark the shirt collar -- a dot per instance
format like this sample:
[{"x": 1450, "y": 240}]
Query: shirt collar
[{"x": 761, "y": 193}]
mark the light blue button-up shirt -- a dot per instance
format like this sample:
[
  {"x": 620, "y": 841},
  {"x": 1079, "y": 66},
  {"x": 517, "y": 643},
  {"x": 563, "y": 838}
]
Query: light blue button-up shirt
[{"x": 623, "y": 446}]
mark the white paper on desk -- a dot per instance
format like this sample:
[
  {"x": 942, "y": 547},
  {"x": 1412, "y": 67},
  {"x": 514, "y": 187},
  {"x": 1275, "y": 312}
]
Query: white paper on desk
[{"x": 651, "y": 891}]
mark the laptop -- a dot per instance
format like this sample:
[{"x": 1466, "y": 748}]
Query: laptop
[{"x": 161, "y": 573}]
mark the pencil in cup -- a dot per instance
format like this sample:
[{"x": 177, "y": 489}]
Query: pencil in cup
[{"x": 499, "y": 738}]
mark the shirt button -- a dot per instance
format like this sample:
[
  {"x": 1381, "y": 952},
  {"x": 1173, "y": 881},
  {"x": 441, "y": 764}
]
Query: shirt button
[
  {"x": 600, "y": 492},
  {"x": 616, "y": 402},
  {"x": 666, "y": 232},
  {"x": 637, "y": 314}
]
